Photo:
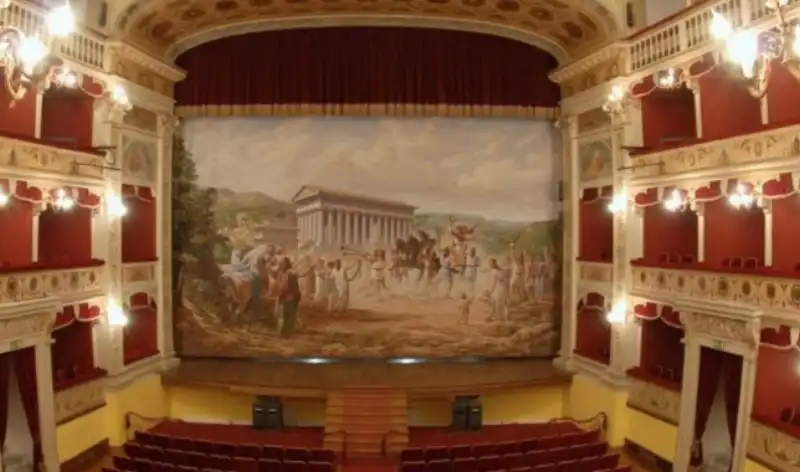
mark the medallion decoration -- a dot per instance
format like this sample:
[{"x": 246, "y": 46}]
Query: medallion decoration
[
  {"x": 62, "y": 283},
  {"x": 21, "y": 327}
]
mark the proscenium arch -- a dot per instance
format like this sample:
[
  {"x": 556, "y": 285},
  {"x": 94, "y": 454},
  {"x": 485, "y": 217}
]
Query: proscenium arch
[
  {"x": 456, "y": 24},
  {"x": 567, "y": 29}
]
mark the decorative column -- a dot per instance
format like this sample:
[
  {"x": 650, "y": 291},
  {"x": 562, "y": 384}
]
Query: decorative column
[
  {"x": 165, "y": 130},
  {"x": 691, "y": 372},
  {"x": 35, "y": 236},
  {"x": 37, "y": 127},
  {"x": 699, "y": 210},
  {"x": 46, "y": 400},
  {"x": 106, "y": 133},
  {"x": 571, "y": 191},
  {"x": 766, "y": 207}
]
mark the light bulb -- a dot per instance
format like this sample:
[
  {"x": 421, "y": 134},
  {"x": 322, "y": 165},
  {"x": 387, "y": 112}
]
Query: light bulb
[
  {"x": 618, "y": 313},
  {"x": 618, "y": 204},
  {"x": 120, "y": 97},
  {"x": 742, "y": 49},
  {"x": 3, "y": 198},
  {"x": 66, "y": 78},
  {"x": 31, "y": 53},
  {"x": 617, "y": 94},
  {"x": 116, "y": 315},
  {"x": 674, "y": 202},
  {"x": 796, "y": 42},
  {"x": 721, "y": 28},
  {"x": 667, "y": 79},
  {"x": 61, "y": 21},
  {"x": 115, "y": 205}
]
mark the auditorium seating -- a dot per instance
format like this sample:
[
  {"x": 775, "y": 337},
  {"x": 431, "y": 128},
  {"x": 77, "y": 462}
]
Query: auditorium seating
[
  {"x": 160, "y": 453},
  {"x": 570, "y": 452}
]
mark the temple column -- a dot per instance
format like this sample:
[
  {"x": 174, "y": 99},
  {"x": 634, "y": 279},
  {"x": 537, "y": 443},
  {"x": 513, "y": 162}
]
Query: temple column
[
  {"x": 46, "y": 400},
  {"x": 318, "y": 223},
  {"x": 339, "y": 226},
  {"x": 324, "y": 220},
  {"x": 364, "y": 229},
  {"x": 348, "y": 228}
]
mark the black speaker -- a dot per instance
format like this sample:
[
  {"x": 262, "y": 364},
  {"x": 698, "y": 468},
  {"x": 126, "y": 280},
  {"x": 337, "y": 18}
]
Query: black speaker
[
  {"x": 475, "y": 414},
  {"x": 462, "y": 413},
  {"x": 267, "y": 413}
]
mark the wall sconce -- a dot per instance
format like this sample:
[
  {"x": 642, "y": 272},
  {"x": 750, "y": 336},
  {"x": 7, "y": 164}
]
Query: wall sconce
[
  {"x": 675, "y": 201},
  {"x": 116, "y": 315},
  {"x": 63, "y": 202},
  {"x": 619, "y": 203},
  {"x": 3, "y": 198},
  {"x": 618, "y": 314},
  {"x": 115, "y": 205},
  {"x": 741, "y": 198}
]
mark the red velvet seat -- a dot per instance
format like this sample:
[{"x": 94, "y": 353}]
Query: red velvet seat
[
  {"x": 245, "y": 464},
  {"x": 224, "y": 449},
  {"x": 623, "y": 468},
  {"x": 143, "y": 437},
  {"x": 489, "y": 463},
  {"x": 182, "y": 444},
  {"x": 480, "y": 450},
  {"x": 315, "y": 466},
  {"x": 528, "y": 445},
  {"x": 272, "y": 452},
  {"x": 133, "y": 449},
  {"x": 270, "y": 465},
  {"x": 534, "y": 458},
  {"x": 296, "y": 454},
  {"x": 545, "y": 468},
  {"x": 248, "y": 450},
  {"x": 295, "y": 466},
  {"x": 439, "y": 465},
  {"x": 197, "y": 459},
  {"x": 164, "y": 467},
  {"x": 221, "y": 462},
  {"x": 151, "y": 452},
  {"x": 504, "y": 448},
  {"x": 598, "y": 448},
  {"x": 521, "y": 469},
  {"x": 558, "y": 454},
  {"x": 122, "y": 463},
  {"x": 462, "y": 450},
  {"x": 412, "y": 455},
  {"x": 161, "y": 441},
  {"x": 549, "y": 442},
  {"x": 184, "y": 468},
  {"x": 413, "y": 466},
  {"x": 513, "y": 460},
  {"x": 569, "y": 466},
  {"x": 203, "y": 446},
  {"x": 176, "y": 457},
  {"x": 590, "y": 463},
  {"x": 142, "y": 465},
  {"x": 465, "y": 464},
  {"x": 322, "y": 455},
  {"x": 609, "y": 461},
  {"x": 436, "y": 453}
]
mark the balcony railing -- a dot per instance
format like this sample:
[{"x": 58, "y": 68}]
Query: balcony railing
[
  {"x": 654, "y": 399},
  {"x": 760, "y": 292},
  {"x": 82, "y": 47},
  {"x": 139, "y": 272},
  {"x": 79, "y": 400},
  {"x": 772, "y": 447},
  {"x": 595, "y": 272},
  {"x": 38, "y": 156},
  {"x": 68, "y": 284}
]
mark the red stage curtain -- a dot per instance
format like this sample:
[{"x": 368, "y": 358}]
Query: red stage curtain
[
  {"x": 5, "y": 371},
  {"x": 16, "y": 225},
  {"x": 711, "y": 363},
  {"x": 352, "y": 65},
  {"x": 732, "y": 232},
  {"x": 75, "y": 132},
  {"x": 65, "y": 237},
  {"x": 25, "y": 370},
  {"x": 669, "y": 233},
  {"x": 732, "y": 376},
  {"x": 139, "y": 225}
]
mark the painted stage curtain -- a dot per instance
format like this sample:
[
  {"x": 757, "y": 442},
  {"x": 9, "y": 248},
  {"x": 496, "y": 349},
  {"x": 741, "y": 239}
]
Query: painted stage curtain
[
  {"x": 367, "y": 71},
  {"x": 25, "y": 370}
]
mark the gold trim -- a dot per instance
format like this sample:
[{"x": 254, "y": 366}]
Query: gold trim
[{"x": 366, "y": 109}]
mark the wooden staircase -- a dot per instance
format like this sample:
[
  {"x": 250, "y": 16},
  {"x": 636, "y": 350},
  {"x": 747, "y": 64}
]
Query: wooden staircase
[{"x": 366, "y": 422}]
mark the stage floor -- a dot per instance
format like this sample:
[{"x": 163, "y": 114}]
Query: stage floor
[{"x": 434, "y": 378}]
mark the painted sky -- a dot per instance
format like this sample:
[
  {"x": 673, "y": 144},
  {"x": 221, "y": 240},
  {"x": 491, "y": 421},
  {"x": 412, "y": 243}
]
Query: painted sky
[{"x": 500, "y": 169}]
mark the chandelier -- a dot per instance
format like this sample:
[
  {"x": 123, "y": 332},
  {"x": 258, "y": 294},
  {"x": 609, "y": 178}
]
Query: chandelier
[
  {"x": 62, "y": 201},
  {"x": 741, "y": 198},
  {"x": 752, "y": 54},
  {"x": 620, "y": 96},
  {"x": 30, "y": 64}
]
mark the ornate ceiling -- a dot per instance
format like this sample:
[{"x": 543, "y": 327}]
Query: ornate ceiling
[{"x": 565, "y": 28}]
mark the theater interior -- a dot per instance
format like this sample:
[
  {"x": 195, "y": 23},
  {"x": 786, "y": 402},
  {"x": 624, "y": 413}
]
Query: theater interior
[{"x": 400, "y": 235}]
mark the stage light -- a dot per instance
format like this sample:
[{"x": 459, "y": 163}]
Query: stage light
[{"x": 116, "y": 315}]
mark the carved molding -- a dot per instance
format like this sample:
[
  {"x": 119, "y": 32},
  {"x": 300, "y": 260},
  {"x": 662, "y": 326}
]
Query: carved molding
[
  {"x": 64, "y": 283},
  {"x": 655, "y": 400},
  {"x": 773, "y": 448},
  {"x": 722, "y": 328},
  {"x": 765, "y": 293},
  {"x": 78, "y": 400},
  {"x": 15, "y": 153},
  {"x": 15, "y": 328},
  {"x": 138, "y": 272},
  {"x": 596, "y": 272}
]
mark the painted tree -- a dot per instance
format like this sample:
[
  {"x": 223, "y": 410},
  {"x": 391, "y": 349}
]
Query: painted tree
[{"x": 194, "y": 234}]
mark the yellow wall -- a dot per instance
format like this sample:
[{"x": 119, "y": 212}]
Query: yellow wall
[
  {"x": 516, "y": 406},
  {"x": 588, "y": 397},
  {"x": 78, "y": 435},
  {"x": 655, "y": 435},
  {"x": 145, "y": 397},
  {"x": 750, "y": 466},
  {"x": 222, "y": 405}
]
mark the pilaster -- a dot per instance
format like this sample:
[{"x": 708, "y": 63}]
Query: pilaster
[
  {"x": 46, "y": 401},
  {"x": 571, "y": 193},
  {"x": 166, "y": 129}
]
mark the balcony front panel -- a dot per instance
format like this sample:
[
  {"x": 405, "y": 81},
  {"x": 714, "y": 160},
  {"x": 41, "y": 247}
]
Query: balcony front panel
[
  {"x": 136, "y": 273},
  {"x": 773, "y": 448},
  {"x": 655, "y": 400},
  {"x": 36, "y": 158},
  {"x": 70, "y": 285},
  {"x": 759, "y": 292},
  {"x": 79, "y": 400}
]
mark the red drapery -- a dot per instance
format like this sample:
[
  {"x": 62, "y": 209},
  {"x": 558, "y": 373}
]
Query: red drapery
[
  {"x": 75, "y": 132},
  {"x": 65, "y": 237},
  {"x": 5, "y": 371},
  {"x": 592, "y": 331},
  {"x": 73, "y": 350},
  {"x": 140, "y": 336},
  {"x": 25, "y": 370},
  {"x": 19, "y": 120},
  {"x": 16, "y": 224},
  {"x": 732, "y": 376},
  {"x": 596, "y": 224},
  {"x": 711, "y": 364},
  {"x": 369, "y": 65},
  {"x": 139, "y": 225}
]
